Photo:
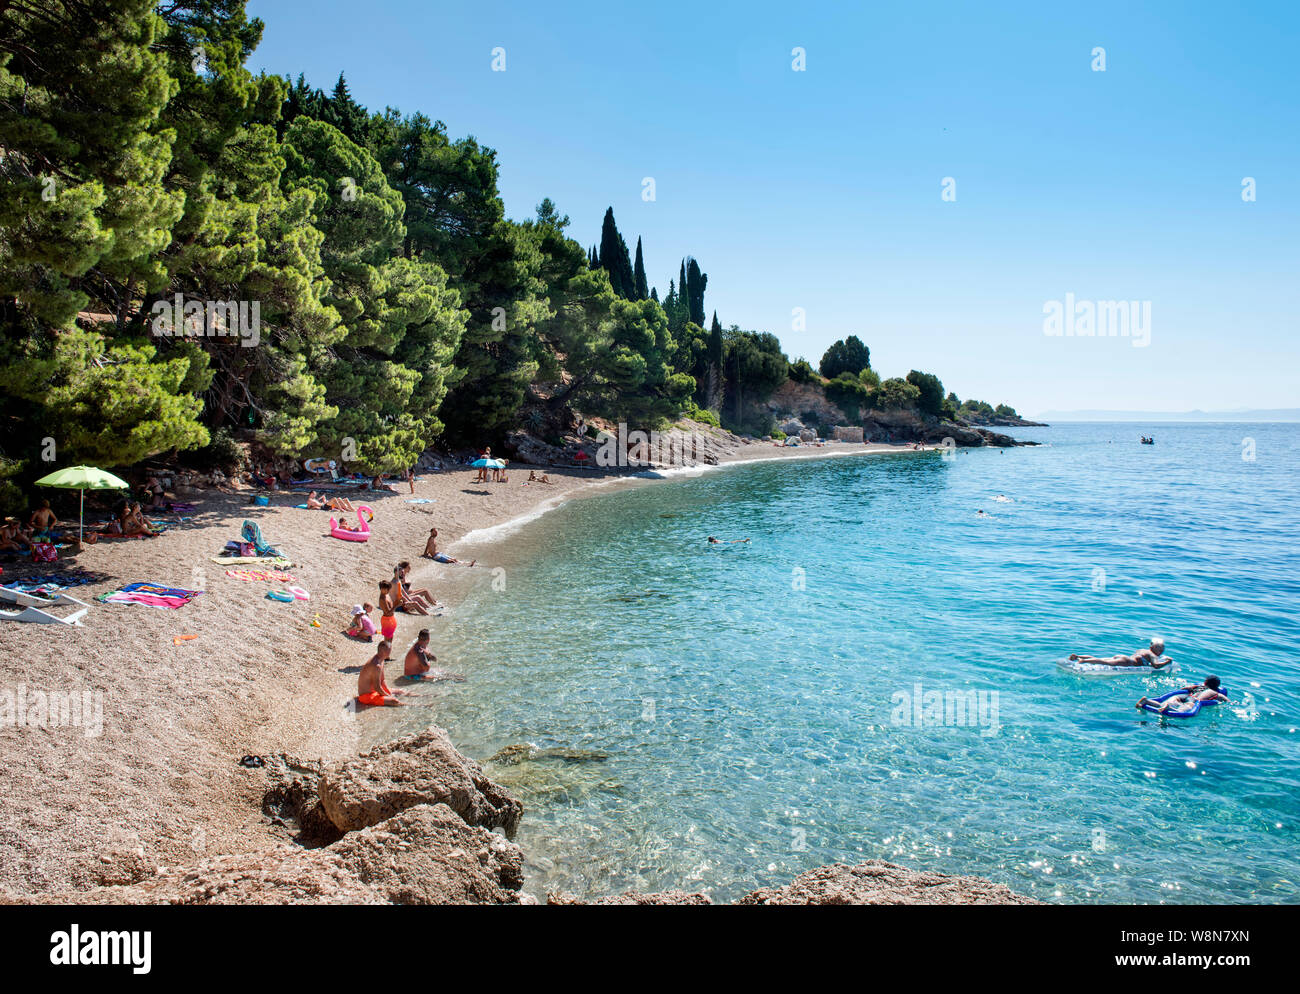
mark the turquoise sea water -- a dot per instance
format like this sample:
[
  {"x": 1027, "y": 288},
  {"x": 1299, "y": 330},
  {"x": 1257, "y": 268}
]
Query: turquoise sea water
[{"x": 746, "y": 699}]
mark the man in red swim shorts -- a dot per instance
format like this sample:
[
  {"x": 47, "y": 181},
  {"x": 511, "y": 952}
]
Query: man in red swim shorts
[{"x": 372, "y": 688}]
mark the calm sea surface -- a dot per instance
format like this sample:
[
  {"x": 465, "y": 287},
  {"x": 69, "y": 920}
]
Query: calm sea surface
[{"x": 722, "y": 718}]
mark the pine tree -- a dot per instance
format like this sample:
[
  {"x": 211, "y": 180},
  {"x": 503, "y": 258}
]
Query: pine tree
[
  {"x": 344, "y": 113},
  {"x": 639, "y": 273}
]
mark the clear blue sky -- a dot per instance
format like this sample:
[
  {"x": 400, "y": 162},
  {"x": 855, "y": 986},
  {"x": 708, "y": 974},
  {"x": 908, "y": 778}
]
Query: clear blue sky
[{"x": 821, "y": 189}]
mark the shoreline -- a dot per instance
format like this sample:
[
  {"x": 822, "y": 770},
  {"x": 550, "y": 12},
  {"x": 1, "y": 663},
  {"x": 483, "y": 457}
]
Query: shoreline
[{"x": 162, "y": 785}]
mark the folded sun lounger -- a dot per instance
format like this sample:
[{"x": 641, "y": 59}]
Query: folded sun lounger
[{"x": 36, "y": 615}]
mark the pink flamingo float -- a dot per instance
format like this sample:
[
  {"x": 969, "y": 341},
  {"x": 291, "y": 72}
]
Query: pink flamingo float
[{"x": 364, "y": 514}]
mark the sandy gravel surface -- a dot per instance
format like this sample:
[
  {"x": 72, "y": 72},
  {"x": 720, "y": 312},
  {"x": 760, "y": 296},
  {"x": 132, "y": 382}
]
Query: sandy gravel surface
[{"x": 161, "y": 784}]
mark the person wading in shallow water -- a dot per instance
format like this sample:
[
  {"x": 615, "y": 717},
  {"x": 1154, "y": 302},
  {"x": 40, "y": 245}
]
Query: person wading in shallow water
[{"x": 417, "y": 663}]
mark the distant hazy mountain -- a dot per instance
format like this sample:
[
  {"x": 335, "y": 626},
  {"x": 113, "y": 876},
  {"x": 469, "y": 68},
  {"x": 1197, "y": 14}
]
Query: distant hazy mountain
[{"x": 1244, "y": 414}]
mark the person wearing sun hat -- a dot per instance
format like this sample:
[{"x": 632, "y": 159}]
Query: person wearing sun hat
[{"x": 362, "y": 626}]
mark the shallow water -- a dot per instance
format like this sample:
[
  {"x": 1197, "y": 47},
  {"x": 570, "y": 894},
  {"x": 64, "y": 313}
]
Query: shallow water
[{"x": 742, "y": 705}]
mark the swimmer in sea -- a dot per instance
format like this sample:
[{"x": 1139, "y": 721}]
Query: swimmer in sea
[
  {"x": 1207, "y": 691},
  {"x": 734, "y": 541},
  {"x": 1153, "y": 657}
]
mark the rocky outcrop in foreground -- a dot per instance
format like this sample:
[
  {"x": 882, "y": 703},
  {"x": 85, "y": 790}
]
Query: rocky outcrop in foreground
[
  {"x": 872, "y": 882},
  {"x": 410, "y": 822},
  {"x": 419, "y": 769}
]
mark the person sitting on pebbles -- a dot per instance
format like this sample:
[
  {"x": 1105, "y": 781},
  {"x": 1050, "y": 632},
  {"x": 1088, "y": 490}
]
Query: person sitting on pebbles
[
  {"x": 431, "y": 551},
  {"x": 362, "y": 626},
  {"x": 372, "y": 688}
]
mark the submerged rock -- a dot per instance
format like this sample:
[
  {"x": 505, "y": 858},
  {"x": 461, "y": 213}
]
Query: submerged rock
[
  {"x": 878, "y": 882},
  {"x": 513, "y": 755},
  {"x": 872, "y": 882},
  {"x": 419, "y": 769},
  {"x": 632, "y": 897}
]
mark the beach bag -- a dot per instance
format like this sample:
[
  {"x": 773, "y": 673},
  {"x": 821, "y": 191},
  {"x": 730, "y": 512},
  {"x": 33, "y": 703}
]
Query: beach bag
[{"x": 44, "y": 552}]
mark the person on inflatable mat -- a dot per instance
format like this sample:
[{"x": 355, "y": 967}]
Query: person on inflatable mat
[
  {"x": 1143, "y": 657},
  {"x": 1207, "y": 691},
  {"x": 372, "y": 688}
]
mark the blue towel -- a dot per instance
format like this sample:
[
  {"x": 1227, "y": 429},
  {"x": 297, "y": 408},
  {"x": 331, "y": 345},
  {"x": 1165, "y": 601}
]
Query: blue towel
[{"x": 252, "y": 533}]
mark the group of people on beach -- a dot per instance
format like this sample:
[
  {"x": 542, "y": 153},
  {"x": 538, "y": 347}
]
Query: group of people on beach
[
  {"x": 395, "y": 594},
  {"x": 372, "y": 684},
  {"x": 1153, "y": 657}
]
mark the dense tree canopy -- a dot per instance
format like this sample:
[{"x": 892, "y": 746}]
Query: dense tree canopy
[
  {"x": 848, "y": 355},
  {"x": 187, "y": 247}
]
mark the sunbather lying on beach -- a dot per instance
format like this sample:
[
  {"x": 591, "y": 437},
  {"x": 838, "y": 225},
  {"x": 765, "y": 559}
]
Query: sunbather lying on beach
[
  {"x": 1153, "y": 657},
  {"x": 416, "y": 664},
  {"x": 377, "y": 483},
  {"x": 1207, "y": 691},
  {"x": 318, "y": 503},
  {"x": 372, "y": 688}
]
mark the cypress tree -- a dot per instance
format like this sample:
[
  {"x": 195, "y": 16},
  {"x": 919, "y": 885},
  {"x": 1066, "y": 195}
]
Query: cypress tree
[
  {"x": 639, "y": 273},
  {"x": 715, "y": 359},
  {"x": 613, "y": 256},
  {"x": 696, "y": 281},
  {"x": 625, "y": 270}
]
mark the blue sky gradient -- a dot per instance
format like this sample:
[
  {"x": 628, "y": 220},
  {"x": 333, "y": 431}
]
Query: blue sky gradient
[{"x": 822, "y": 189}]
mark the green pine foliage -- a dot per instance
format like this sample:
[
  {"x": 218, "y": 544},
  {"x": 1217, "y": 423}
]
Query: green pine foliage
[{"x": 142, "y": 164}]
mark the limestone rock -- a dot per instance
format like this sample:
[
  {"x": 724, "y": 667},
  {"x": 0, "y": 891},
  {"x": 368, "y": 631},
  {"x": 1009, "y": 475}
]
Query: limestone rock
[
  {"x": 428, "y": 855},
  {"x": 419, "y": 769},
  {"x": 878, "y": 882}
]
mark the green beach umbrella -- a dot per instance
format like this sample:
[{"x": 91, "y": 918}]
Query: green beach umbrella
[{"x": 83, "y": 478}]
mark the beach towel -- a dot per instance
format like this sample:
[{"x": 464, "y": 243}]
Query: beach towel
[
  {"x": 270, "y": 562},
  {"x": 252, "y": 532},
  {"x": 151, "y": 595},
  {"x": 421, "y": 500}
]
